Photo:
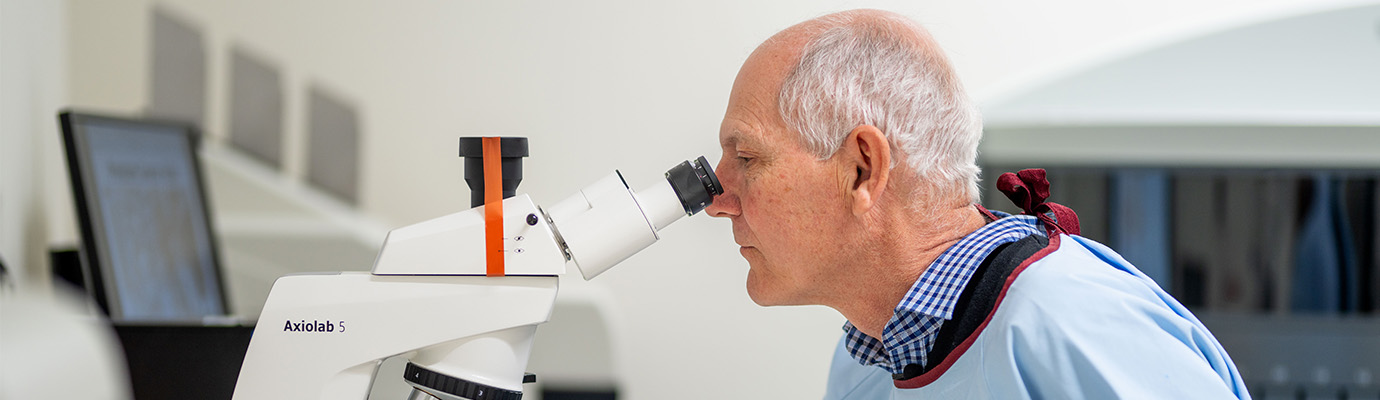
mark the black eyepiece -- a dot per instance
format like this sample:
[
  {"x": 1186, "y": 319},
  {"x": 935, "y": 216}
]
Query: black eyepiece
[
  {"x": 695, "y": 184},
  {"x": 511, "y": 151}
]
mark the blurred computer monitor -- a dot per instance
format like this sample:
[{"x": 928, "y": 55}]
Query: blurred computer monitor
[{"x": 148, "y": 252}]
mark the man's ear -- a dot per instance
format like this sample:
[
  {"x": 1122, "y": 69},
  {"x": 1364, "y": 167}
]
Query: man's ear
[{"x": 867, "y": 152}]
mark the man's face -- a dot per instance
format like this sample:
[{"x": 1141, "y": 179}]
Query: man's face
[{"x": 787, "y": 206}]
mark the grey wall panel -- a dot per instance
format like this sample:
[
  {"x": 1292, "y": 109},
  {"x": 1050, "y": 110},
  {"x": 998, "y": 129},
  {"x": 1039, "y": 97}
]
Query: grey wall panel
[
  {"x": 333, "y": 145},
  {"x": 256, "y": 107},
  {"x": 177, "y": 85}
]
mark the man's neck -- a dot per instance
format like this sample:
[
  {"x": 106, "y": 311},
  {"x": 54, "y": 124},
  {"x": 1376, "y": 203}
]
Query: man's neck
[{"x": 897, "y": 259}]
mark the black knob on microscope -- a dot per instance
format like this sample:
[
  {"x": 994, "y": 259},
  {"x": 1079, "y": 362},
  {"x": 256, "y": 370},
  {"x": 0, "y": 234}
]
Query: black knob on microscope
[{"x": 437, "y": 381}]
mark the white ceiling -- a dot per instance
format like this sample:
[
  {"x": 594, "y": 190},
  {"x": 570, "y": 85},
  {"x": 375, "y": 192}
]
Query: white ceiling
[{"x": 1316, "y": 69}]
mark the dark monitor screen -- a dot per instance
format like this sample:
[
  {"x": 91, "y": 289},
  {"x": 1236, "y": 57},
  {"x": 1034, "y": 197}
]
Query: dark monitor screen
[{"x": 148, "y": 252}]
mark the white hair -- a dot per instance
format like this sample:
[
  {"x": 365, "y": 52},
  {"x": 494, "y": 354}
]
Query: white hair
[{"x": 872, "y": 73}]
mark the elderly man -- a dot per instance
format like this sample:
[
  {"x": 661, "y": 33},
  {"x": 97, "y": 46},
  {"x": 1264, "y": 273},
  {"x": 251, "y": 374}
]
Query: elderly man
[{"x": 849, "y": 174}]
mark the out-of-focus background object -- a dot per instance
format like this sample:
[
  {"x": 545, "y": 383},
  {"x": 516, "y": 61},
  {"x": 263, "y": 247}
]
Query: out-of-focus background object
[
  {"x": 1177, "y": 128},
  {"x": 148, "y": 254},
  {"x": 148, "y": 249},
  {"x": 51, "y": 347}
]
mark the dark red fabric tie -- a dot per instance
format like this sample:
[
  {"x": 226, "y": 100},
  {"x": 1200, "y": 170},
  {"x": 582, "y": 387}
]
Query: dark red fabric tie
[{"x": 1029, "y": 188}]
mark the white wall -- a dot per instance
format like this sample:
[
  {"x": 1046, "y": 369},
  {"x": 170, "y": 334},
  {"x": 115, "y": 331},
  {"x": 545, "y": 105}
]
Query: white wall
[
  {"x": 632, "y": 85},
  {"x": 32, "y": 87}
]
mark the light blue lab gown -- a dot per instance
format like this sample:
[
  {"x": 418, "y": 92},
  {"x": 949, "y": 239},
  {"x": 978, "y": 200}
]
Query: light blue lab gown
[{"x": 1079, "y": 323}]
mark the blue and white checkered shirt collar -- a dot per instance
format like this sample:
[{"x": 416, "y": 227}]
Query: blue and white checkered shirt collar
[{"x": 912, "y": 330}]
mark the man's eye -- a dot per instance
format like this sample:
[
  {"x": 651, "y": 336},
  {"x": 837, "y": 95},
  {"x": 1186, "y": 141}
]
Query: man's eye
[{"x": 744, "y": 160}]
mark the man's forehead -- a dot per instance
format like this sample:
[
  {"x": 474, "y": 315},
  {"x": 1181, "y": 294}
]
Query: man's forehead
[{"x": 750, "y": 111}]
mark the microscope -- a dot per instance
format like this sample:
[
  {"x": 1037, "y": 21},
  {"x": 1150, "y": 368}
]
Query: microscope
[{"x": 459, "y": 296}]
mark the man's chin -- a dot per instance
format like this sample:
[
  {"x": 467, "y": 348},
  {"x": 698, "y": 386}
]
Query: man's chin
[
  {"x": 763, "y": 294},
  {"x": 759, "y": 299}
]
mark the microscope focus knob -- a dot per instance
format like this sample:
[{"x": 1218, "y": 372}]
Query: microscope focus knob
[{"x": 459, "y": 388}]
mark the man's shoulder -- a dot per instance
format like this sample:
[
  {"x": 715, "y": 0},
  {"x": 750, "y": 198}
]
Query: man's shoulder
[
  {"x": 1068, "y": 320},
  {"x": 1076, "y": 267},
  {"x": 1079, "y": 283}
]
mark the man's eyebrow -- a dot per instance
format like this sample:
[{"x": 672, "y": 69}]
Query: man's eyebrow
[
  {"x": 737, "y": 137},
  {"x": 729, "y": 141}
]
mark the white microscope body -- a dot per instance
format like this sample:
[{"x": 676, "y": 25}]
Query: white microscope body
[{"x": 466, "y": 335}]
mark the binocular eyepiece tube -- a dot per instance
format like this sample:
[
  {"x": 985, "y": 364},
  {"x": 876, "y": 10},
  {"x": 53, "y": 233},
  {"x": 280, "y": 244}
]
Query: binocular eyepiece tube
[{"x": 606, "y": 222}]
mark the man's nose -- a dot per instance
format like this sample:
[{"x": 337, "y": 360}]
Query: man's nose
[{"x": 725, "y": 205}]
